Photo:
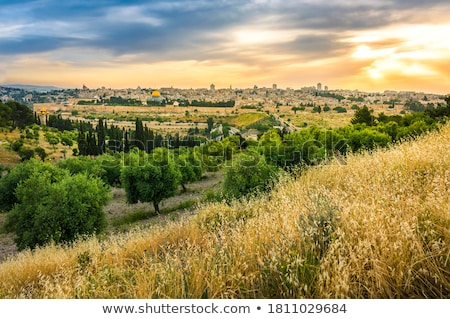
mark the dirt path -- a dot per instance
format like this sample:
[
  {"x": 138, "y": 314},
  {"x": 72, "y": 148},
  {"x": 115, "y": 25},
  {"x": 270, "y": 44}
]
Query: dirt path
[
  {"x": 118, "y": 207},
  {"x": 7, "y": 246}
]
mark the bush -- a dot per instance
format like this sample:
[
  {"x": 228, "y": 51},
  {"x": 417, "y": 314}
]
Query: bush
[
  {"x": 83, "y": 164},
  {"x": 59, "y": 211},
  {"x": 340, "y": 109},
  {"x": 16, "y": 145}
]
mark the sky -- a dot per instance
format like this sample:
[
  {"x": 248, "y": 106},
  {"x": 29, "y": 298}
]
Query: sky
[{"x": 370, "y": 45}]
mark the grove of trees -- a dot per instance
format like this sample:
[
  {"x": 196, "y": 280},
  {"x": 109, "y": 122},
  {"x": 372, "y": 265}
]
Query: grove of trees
[
  {"x": 59, "y": 203},
  {"x": 15, "y": 114}
]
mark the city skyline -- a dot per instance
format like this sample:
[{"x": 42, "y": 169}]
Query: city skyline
[{"x": 366, "y": 45}]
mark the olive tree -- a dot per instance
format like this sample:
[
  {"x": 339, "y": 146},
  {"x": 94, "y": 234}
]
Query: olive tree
[
  {"x": 248, "y": 173},
  {"x": 151, "y": 182},
  {"x": 19, "y": 174},
  {"x": 57, "y": 211}
]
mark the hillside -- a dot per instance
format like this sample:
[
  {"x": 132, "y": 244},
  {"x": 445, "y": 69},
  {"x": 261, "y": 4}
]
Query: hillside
[{"x": 372, "y": 226}]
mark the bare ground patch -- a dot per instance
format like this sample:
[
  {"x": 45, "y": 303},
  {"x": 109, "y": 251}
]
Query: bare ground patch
[
  {"x": 118, "y": 206},
  {"x": 7, "y": 246}
]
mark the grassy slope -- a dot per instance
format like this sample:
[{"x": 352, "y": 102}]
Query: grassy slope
[
  {"x": 10, "y": 158},
  {"x": 380, "y": 229},
  {"x": 243, "y": 120}
]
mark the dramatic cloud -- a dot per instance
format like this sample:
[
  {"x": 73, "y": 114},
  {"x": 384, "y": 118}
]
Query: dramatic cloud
[{"x": 345, "y": 42}]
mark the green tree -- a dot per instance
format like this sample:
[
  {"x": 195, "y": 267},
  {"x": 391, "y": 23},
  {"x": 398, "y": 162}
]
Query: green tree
[
  {"x": 111, "y": 166},
  {"x": 41, "y": 153},
  {"x": 190, "y": 169},
  {"x": 210, "y": 123},
  {"x": 21, "y": 115},
  {"x": 269, "y": 142},
  {"x": 19, "y": 174},
  {"x": 364, "y": 116},
  {"x": 150, "y": 182},
  {"x": 82, "y": 143},
  {"x": 52, "y": 139},
  {"x": 17, "y": 144},
  {"x": 25, "y": 153},
  {"x": 414, "y": 106},
  {"x": 66, "y": 141},
  {"x": 249, "y": 173},
  {"x": 83, "y": 164},
  {"x": 150, "y": 178},
  {"x": 57, "y": 211},
  {"x": 366, "y": 138},
  {"x": 5, "y": 115},
  {"x": 101, "y": 133},
  {"x": 297, "y": 108}
]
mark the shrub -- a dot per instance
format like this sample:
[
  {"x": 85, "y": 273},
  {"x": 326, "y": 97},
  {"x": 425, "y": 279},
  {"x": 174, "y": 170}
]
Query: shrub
[
  {"x": 83, "y": 164},
  {"x": 340, "y": 109},
  {"x": 16, "y": 145}
]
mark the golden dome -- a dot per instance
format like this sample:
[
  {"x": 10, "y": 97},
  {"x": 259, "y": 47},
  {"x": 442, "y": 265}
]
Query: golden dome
[{"x": 156, "y": 94}]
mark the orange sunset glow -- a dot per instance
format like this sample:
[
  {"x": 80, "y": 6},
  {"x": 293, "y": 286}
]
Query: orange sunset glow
[{"x": 372, "y": 46}]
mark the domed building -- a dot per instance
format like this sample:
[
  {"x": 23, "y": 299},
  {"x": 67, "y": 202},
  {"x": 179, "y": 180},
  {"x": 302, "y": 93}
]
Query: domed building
[{"x": 155, "y": 99}]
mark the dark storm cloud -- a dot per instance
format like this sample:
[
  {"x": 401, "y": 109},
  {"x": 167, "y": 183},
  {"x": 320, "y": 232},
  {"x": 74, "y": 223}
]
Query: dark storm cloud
[
  {"x": 184, "y": 25},
  {"x": 33, "y": 44},
  {"x": 316, "y": 46}
]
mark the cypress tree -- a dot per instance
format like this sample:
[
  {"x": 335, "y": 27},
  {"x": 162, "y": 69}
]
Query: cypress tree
[
  {"x": 101, "y": 136},
  {"x": 82, "y": 144}
]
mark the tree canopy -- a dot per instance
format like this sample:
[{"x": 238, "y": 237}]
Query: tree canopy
[
  {"x": 151, "y": 181},
  {"x": 57, "y": 208},
  {"x": 15, "y": 114}
]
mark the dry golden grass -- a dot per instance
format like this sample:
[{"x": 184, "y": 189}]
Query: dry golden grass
[
  {"x": 245, "y": 119},
  {"x": 377, "y": 227},
  {"x": 10, "y": 158},
  {"x": 324, "y": 120}
]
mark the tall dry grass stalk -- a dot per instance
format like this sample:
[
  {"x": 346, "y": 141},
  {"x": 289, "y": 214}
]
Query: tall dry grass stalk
[{"x": 377, "y": 227}]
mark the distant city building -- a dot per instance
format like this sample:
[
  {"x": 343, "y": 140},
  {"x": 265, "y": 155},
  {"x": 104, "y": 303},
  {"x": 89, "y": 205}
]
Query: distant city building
[
  {"x": 6, "y": 98},
  {"x": 319, "y": 86},
  {"x": 326, "y": 88},
  {"x": 212, "y": 87},
  {"x": 274, "y": 86}
]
